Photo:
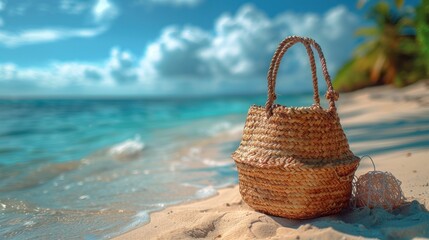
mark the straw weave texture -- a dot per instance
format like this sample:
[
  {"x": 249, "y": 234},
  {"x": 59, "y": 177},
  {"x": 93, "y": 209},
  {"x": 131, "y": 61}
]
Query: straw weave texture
[{"x": 295, "y": 162}]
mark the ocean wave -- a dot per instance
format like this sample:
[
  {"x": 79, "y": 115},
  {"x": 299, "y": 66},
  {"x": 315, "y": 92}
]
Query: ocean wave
[
  {"x": 206, "y": 192},
  {"x": 139, "y": 219},
  {"x": 128, "y": 149},
  {"x": 219, "y": 127},
  {"x": 225, "y": 127}
]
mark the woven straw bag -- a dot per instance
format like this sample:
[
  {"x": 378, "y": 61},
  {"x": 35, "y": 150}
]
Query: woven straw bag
[{"x": 295, "y": 162}]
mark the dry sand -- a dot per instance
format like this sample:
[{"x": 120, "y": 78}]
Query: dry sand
[{"x": 226, "y": 216}]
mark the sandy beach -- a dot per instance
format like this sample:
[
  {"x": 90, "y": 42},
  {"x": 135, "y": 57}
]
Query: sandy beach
[{"x": 226, "y": 216}]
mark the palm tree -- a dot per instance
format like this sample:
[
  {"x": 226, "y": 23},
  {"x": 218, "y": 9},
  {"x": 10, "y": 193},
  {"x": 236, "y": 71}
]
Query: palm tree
[{"x": 388, "y": 53}]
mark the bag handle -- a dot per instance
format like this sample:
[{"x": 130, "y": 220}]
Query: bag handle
[{"x": 288, "y": 42}]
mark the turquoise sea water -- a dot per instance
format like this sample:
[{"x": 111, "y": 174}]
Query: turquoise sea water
[{"x": 96, "y": 168}]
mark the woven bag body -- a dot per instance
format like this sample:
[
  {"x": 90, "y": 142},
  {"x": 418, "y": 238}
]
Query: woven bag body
[{"x": 295, "y": 162}]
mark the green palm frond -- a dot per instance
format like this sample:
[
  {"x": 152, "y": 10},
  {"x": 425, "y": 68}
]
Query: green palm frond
[{"x": 394, "y": 51}]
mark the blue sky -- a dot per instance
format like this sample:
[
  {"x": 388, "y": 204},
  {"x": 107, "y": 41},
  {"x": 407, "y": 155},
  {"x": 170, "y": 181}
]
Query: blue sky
[{"x": 164, "y": 47}]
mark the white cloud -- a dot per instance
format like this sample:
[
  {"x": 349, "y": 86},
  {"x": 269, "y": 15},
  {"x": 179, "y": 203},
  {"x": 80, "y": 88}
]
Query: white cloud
[
  {"x": 10, "y": 39},
  {"x": 1, "y": 5},
  {"x": 234, "y": 56},
  {"x": 242, "y": 43},
  {"x": 241, "y": 46},
  {"x": 176, "y": 53},
  {"x": 104, "y": 10},
  {"x": 119, "y": 69},
  {"x": 55, "y": 76},
  {"x": 189, "y": 3},
  {"x": 122, "y": 66}
]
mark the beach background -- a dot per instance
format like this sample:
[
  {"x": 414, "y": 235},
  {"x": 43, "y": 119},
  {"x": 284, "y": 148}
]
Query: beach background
[{"x": 137, "y": 145}]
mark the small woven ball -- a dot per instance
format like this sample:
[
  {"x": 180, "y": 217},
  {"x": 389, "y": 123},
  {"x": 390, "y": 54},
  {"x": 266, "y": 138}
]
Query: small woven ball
[{"x": 378, "y": 189}]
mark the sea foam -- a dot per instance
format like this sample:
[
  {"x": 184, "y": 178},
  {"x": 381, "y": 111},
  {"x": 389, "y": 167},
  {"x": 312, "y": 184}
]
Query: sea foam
[
  {"x": 128, "y": 149},
  {"x": 206, "y": 192}
]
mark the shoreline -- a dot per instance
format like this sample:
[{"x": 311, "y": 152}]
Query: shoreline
[{"x": 226, "y": 216}]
